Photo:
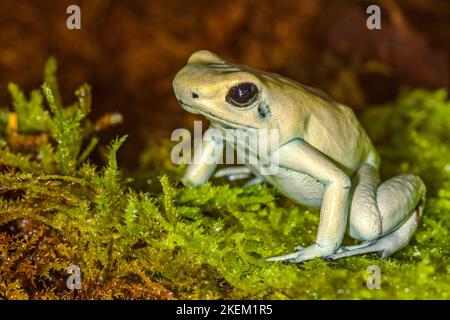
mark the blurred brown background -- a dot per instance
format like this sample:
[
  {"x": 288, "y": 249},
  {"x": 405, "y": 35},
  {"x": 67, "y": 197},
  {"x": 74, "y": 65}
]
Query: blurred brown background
[{"x": 130, "y": 51}]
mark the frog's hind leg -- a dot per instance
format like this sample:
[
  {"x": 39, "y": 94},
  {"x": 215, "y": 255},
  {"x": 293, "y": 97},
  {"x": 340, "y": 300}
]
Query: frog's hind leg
[
  {"x": 362, "y": 245},
  {"x": 387, "y": 244},
  {"x": 385, "y": 215}
]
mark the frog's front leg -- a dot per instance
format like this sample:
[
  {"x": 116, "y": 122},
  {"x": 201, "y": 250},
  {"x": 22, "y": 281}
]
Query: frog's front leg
[
  {"x": 203, "y": 164},
  {"x": 302, "y": 157}
]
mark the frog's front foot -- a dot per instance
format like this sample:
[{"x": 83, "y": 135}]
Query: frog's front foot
[
  {"x": 303, "y": 254},
  {"x": 239, "y": 173},
  {"x": 234, "y": 173}
]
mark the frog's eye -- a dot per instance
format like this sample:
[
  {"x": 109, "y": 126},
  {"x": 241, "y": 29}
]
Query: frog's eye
[{"x": 242, "y": 95}]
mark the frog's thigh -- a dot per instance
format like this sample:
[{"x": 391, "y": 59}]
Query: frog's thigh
[
  {"x": 399, "y": 204},
  {"x": 397, "y": 199},
  {"x": 378, "y": 209},
  {"x": 364, "y": 217},
  {"x": 387, "y": 244}
]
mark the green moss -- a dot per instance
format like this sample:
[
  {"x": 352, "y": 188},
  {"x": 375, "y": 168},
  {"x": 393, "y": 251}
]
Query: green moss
[{"x": 151, "y": 239}]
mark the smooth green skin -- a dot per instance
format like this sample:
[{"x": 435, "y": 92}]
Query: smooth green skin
[{"x": 325, "y": 157}]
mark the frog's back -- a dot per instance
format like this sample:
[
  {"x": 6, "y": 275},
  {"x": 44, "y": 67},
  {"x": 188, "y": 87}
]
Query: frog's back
[{"x": 333, "y": 129}]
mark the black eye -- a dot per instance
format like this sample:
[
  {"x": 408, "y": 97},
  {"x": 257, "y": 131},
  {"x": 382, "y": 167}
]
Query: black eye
[{"x": 243, "y": 94}]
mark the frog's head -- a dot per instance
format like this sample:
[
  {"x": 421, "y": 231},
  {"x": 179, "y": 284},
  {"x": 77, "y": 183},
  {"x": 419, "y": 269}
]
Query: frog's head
[{"x": 234, "y": 96}]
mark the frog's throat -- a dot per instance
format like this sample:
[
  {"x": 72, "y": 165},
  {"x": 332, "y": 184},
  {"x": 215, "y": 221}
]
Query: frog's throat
[{"x": 212, "y": 118}]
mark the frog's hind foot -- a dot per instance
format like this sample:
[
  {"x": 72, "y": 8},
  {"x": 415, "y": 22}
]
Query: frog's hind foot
[
  {"x": 362, "y": 245},
  {"x": 386, "y": 245}
]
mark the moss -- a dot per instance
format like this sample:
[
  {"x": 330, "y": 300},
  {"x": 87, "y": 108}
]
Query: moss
[{"x": 151, "y": 238}]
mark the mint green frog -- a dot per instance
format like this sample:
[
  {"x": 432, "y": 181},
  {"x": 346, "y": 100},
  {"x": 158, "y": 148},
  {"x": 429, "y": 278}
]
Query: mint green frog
[{"x": 326, "y": 159}]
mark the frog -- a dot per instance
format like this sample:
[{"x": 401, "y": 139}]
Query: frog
[{"x": 325, "y": 158}]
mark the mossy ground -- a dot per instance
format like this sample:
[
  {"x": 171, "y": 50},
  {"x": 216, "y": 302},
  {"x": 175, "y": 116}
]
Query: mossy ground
[{"x": 151, "y": 238}]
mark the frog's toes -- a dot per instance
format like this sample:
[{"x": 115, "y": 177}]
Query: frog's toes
[
  {"x": 251, "y": 182},
  {"x": 305, "y": 254},
  {"x": 347, "y": 251},
  {"x": 234, "y": 173},
  {"x": 291, "y": 257}
]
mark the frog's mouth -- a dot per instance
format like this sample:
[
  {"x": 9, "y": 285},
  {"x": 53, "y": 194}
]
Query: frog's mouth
[{"x": 213, "y": 118}]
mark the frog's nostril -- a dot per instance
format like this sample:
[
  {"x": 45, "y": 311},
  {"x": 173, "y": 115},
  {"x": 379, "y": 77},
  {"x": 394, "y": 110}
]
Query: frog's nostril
[{"x": 194, "y": 95}]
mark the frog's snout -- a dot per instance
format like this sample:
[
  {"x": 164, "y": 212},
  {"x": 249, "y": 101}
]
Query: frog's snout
[
  {"x": 181, "y": 88},
  {"x": 185, "y": 95},
  {"x": 199, "y": 77},
  {"x": 178, "y": 84}
]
